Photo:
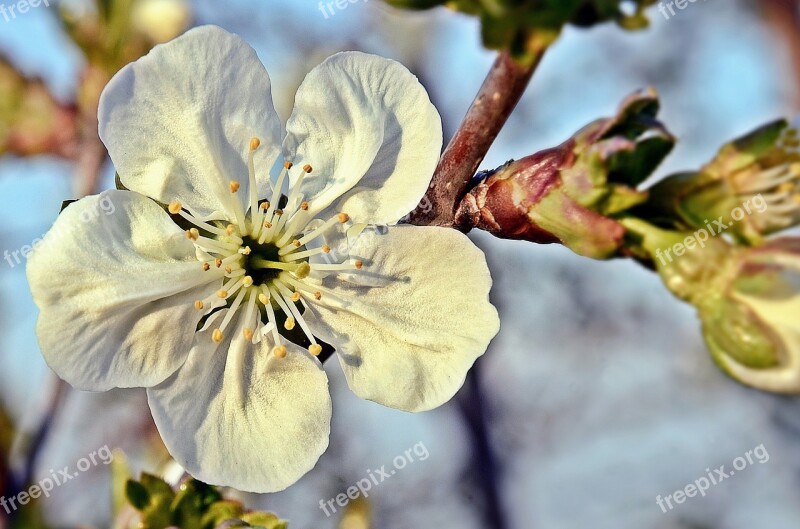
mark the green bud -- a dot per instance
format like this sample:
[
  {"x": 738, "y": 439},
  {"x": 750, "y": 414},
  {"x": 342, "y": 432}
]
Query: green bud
[
  {"x": 752, "y": 186},
  {"x": 572, "y": 194},
  {"x": 747, "y": 298}
]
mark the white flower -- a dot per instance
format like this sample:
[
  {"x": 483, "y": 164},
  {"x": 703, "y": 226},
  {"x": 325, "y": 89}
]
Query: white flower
[{"x": 220, "y": 319}]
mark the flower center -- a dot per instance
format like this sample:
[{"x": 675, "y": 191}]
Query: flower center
[{"x": 264, "y": 255}]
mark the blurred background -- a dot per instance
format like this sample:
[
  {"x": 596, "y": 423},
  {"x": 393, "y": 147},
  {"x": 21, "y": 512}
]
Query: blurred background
[{"x": 597, "y": 396}]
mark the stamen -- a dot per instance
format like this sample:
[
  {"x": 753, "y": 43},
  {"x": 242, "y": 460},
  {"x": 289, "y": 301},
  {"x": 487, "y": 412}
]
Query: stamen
[
  {"x": 208, "y": 227},
  {"x": 315, "y": 349},
  {"x": 192, "y": 234},
  {"x": 248, "y": 333},
  {"x": 175, "y": 207},
  {"x": 289, "y": 323},
  {"x": 296, "y": 313},
  {"x": 338, "y": 267},
  {"x": 233, "y": 309},
  {"x": 206, "y": 267},
  {"x": 280, "y": 351},
  {"x": 198, "y": 305},
  {"x": 217, "y": 336},
  {"x": 234, "y": 185},
  {"x": 311, "y": 236}
]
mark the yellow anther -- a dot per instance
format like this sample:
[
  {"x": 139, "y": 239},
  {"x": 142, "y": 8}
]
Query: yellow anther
[
  {"x": 175, "y": 207},
  {"x": 303, "y": 270},
  {"x": 318, "y": 295},
  {"x": 326, "y": 248},
  {"x": 289, "y": 323},
  {"x": 304, "y": 205},
  {"x": 247, "y": 281},
  {"x": 217, "y": 336},
  {"x": 218, "y": 262},
  {"x": 198, "y": 305},
  {"x": 287, "y": 165},
  {"x": 343, "y": 217},
  {"x": 206, "y": 267},
  {"x": 245, "y": 251},
  {"x": 280, "y": 351},
  {"x": 279, "y": 212},
  {"x": 296, "y": 243},
  {"x": 193, "y": 234},
  {"x": 254, "y": 144},
  {"x": 228, "y": 269},
  {"x": 267, "y": 225},
  {"x": 234, "y": 185},
  {"x": 265, "y": 205},
  {"x": 307, "y": 168},
  {"x": 359, "y": 264},
  {"x": 315, "y": 349},
  {"x": 295, "y": 297},
  {"x": 263, "y": 298},
  {"x": 230, "y": 229},
  {"x": 248, "y": 333},
  {"x": 222, "y": 294}
]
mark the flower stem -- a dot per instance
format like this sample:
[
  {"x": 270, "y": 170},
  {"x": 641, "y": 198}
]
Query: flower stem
[{"x": 497, "y": 98}]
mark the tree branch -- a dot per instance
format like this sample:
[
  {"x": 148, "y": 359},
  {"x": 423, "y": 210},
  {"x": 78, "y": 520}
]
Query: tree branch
[{"x": 497, "y": 98}]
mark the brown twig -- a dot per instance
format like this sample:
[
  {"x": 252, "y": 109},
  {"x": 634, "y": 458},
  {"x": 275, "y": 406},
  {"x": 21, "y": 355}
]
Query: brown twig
[
  {"x": 784, "y": 18},
  {"x": 497, "y": 98}
]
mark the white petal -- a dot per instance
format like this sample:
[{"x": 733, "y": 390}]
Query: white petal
[
  {"x": 367, "y": 127},
  {"x": 115, "y": 281},
  {"x": 235, "y": 415},
  {"x": 178, "y": 122},
  {"x": 410, "y": 343}
]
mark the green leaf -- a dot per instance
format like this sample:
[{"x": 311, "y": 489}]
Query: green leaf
[{"x": 137, "y": 495}]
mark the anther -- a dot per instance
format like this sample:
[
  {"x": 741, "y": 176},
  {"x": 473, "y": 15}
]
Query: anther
[
  {"x": 304, "y": 205},
  {"x": 193, "y": 234},
  {"x": 359, "y": 264},
  {"x": 279, "y": 212},
  {"x": 228, "y": 269},
  {"x": 263, "y": 298},
  {"x": 295, "y": 297},
  {"x": 198, "y": 305},
  {"x": 222, "y": 294},
  {"x": 280, "y": 351},
  {"x": 296, "y": 243},
  {"x": 315, "y": 349},
  {"x": 247, "y": 281},
  {"x": 267, "y": 225},
  {"x": 303, "y": 270},
  {"x": 343, "y": 217},
  {"x": 326, "y": 248},
  {"x": 234, "y": 185},
  {"x": 245, "y": 251},
  {"x": 248, "y": 333},
  {"x": 230, "y": 229},
  {"x": 265, "y": 205},
  {"x": 217, "y": 336},
  {"x": 206, "y": 267},
  {"x": 254, "y": 144},
  {"x": 289, "y": 323},
  {"x": 218, "y": 262},
  {"x": 307, "y": 168},
  {"x": 318, "y": 295},
  {"x": 175, "y": 207},
  {"x": 288, "y": 165}
]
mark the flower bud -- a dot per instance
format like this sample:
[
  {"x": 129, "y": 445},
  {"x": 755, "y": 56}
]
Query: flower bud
[
  {"x": 161, "y": 20},
  {"x": 572, "y": 193},
  {"x": 752, "y": 186},
  {"x": 747, "y": 298}
]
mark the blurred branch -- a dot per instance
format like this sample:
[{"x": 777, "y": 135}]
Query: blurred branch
[
  {"x": 497, "y": 98},
  {"x": 473, "y": 408},
  {"x": 784, "y": 18}
]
